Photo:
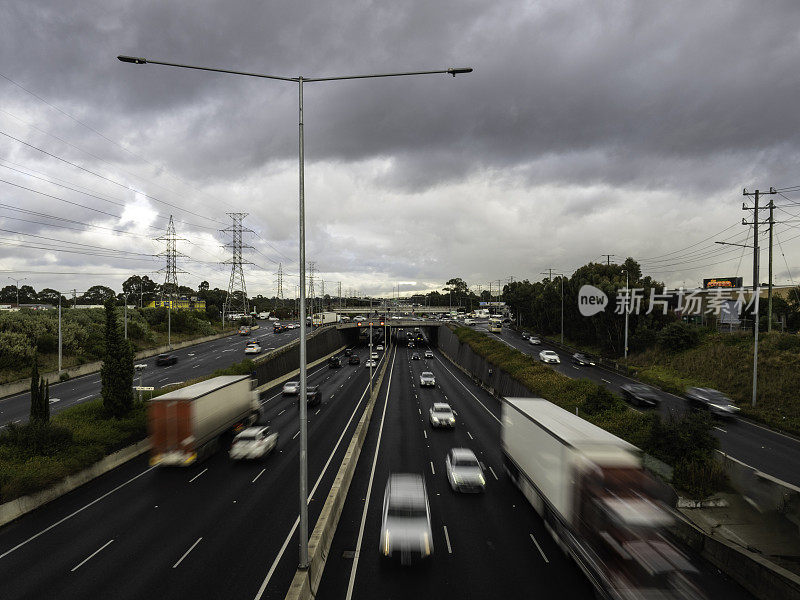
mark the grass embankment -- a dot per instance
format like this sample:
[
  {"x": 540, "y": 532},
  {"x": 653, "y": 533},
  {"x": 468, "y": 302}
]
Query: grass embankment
[
  {"x": 686, "y": 445},
  {"x": 33, "y": 458},
  {"x": 725, "y": 362}
]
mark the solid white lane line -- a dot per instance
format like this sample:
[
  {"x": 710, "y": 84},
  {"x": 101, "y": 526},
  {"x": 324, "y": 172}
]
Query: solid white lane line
[
  {"x": 470, "y": 435},
  {"x": 433, "y": 471},
  {"x": 198, "y": 475},
  {"x": 493, "y": 473},
  {"x": 78, "y": 566},
  {"x": 540, "y": 549},
  {"x": 447, "y": 539},
  {"x": 84, "y": 398},
  {"x": 466, "y": 388},
  {"x": 187, "y": 552},
  {"x": 277, "y": 560},
  {"x": 353, "y": 570},
  {"x": 720, "y": 429},
  {"x": 69, "y": 516},
  {"x": 259, "y": 475}
]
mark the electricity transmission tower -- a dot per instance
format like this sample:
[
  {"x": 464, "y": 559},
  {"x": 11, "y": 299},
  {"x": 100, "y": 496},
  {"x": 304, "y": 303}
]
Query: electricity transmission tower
[
  {"x": 237, "y": 290},
  {"x": 279, "y": 281},
  {"x": 170, "y": 287}
]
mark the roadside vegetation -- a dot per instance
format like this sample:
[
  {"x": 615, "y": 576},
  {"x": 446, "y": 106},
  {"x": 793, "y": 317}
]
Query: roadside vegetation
[{"x": 686, "y": 444}]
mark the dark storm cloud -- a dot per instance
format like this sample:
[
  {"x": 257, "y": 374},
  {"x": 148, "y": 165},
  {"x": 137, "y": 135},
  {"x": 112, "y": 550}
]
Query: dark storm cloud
[{"x": 687, "y": 100}]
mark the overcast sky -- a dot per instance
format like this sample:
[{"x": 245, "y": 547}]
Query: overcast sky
[{"x": 586, "y": 128}]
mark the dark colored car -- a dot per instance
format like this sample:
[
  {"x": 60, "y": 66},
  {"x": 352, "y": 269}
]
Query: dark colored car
[
  {"x": 641, "y": 394},
  {"x": 354, "y": 360},
  {"x": 334, "y": 362},
  {"x": 277, "y": 329},
  {"x": 313, "y": 395},
  {"x": 582, "y": 360},
  {"x": 415, "y": 356},
  {"x": 713, "y": 401},
  {"x": 348, "y": 352},
  {"x": 166, "y": 360},
  {"x": 525, "y": 335}
]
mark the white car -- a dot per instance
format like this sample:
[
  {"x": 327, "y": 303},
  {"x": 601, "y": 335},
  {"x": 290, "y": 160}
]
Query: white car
[
  {"x": 428, "y": 354},
  {"x": 253, "y": 442},
  {"x": 379, "y": 347},
  {"x": 374, "y": 356},
  {"x": 252, "y": 348},
  {"x": 291, "y": 388},
  {"x": 464, "y": 471},
  {"x": 272, "y": 319},
  {"x": 549, "y": 356},
  {"x": 290, "y": 326},
  {"x": 535, "y": 341},
  {"x": 370, "y": 363},
  {"x": 406, "y": 523},
  {"x": 442, "y": 415},
  {"x": 427, "y": 378}
]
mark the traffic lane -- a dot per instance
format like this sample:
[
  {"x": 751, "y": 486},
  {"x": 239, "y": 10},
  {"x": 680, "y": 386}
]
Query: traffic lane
[
  {"x": 207, "y": 357},
  {"x": 470, "y": 549},
  {"x": 202, "y": 507},
  {"x": 483, "y": 434},
  {"x": 756, "y": 446}
]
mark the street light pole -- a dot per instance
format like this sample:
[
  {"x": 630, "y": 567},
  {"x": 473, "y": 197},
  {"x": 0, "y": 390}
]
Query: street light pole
[
  {"x": 16, "y": 286},
  {"x": 627, "y": 312},
  {"x": 125, "y": 312},
  {"x": 303, "y": 529},
  {"x": 59, "y": 334}
]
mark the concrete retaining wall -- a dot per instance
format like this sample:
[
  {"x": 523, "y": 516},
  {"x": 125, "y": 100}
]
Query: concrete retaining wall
[
  {"x": 16, "y": 508},
  {"x": 23, "y": 385},
  {"x": 306, "y": 581}
]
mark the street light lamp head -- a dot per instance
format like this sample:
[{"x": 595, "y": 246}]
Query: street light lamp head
[
  {"x": 133, "y": 59},
  {"x": 453, "y": 70}
]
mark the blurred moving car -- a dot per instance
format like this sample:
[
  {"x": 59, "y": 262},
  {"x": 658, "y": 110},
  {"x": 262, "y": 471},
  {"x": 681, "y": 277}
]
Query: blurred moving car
[
  {"x": 348, "y": 351},
  {"x": 313, "y": 395},
  {"x": 526, "y": 335},
  {"x": 427, "y": 379},
  {"x": 253, "y": 442},
  {"x": 354, "y": 359},
  {"x": 410, "y": 344},
  {"x": 415, "y": 356},
  {"x": 442, "y": 415},
  {"x": 334, "y": 362},
  {"x": 535, "y": 340},
  {"x": 406, "y": 520},
  {"x": 277, "y": 328},
  {"x": 252, "y": 348},
  {"x": 291, "y": 388},
  {"x": 428, "y": 354},
  {"x": 548, "y": 356},
  {"x": 374, "y": 356},
  {"x": 464, "y": 472},
  {"x": 582, "y": 360},
  {"x": 379, "y": 347},
  {"x": 244, "y": 330},
  {"x": 641, "y": 394},
  {"x": 166, "y": 360},
  {"x": 711, "y": 400}
]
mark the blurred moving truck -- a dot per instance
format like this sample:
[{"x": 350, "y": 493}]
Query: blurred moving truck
[
  {"x": 185, "y": 425},
  {"x": 595, "y": 500},
  {"x": 325, "y": 318}
]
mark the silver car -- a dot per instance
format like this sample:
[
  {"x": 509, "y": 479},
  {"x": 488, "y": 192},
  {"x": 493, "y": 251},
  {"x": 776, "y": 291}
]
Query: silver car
[
  {"x": 291, "y": 388},
  {"x": 406, "y": 524},
  {"x": 713, "y": 401},
  {"x": 427, "y": 378},
  {"x": 548, "y": 356},
  {"x": 464, "y": 471},
  {"x": 442, "y": 415}
]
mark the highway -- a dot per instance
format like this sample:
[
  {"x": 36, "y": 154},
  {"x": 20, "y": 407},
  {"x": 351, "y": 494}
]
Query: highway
[
  {"x": 218, "y": 529},
  {"x": 193, "y": 361},
  {"x": 491, "y": 545},
  {"x": 768, "y": 451}
]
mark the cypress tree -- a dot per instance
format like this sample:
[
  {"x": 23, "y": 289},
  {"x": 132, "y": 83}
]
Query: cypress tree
[
  {"x": 46, "y": 404},
  {"x": 116, "y": 373}
]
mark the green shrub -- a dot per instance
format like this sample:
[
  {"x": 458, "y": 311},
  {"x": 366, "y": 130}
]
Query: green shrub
[
  {"x": 677, "y": 337},
  {"x": 699, "y": 476},
  {"x": 597, "y": 401}
]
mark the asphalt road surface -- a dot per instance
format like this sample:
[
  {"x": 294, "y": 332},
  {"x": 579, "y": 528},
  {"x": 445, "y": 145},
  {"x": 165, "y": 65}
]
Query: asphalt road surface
[
  {"x": 761, "y": 448},
  {"x": 490, "y": 545},
  {"x": 218, "y": 529},
  {"x": 193, "y": 361}
]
